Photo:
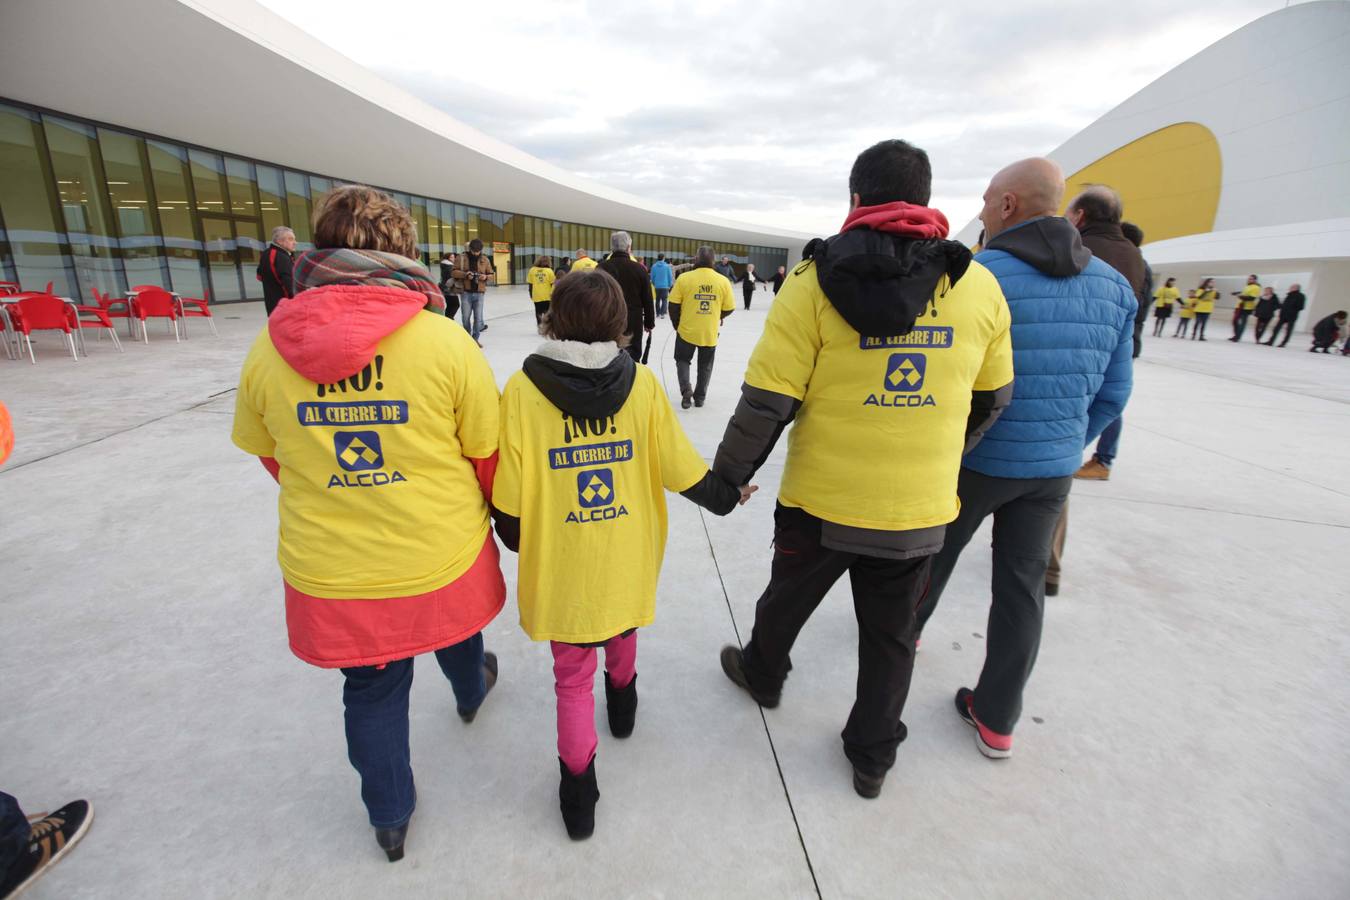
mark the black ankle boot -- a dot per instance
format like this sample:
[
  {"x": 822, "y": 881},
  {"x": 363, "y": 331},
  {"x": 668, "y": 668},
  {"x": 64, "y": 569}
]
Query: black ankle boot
[
  {"x": 391, "y": 841},
  {"x": 621, "y": 704},
  {"x": 576, "y": 798}
]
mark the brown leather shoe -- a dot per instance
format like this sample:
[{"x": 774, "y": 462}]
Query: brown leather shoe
[{"x": 1093, "y": 470}]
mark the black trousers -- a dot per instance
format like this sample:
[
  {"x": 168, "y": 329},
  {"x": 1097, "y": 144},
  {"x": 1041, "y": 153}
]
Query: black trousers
[
  {"x": 749, "y": 295},
  {"x": 1240, "y": 323},
  {"x": 1261, "y": 326},
  {"x": 1288, "y": 326},
  {"x": 684, "y": 354},
  {"x": 885, "y": 594},
  {"x": 1201, "y": 320},
  {"x": 540, "y": 310},
  {"x": 1025, "y": 512}
]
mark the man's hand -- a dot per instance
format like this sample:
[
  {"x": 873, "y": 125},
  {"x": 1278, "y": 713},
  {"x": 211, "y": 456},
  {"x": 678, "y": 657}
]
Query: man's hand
[{"x": 746, "y": 490}]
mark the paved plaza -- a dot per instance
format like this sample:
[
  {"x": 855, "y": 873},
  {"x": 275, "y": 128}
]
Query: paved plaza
[{"x": 1186, "y": 733}]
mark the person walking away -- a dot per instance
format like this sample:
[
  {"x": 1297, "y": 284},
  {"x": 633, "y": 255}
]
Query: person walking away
[
  {"x": 1205, "y": 296},
  {"x": 663, "y": 278},
  {"x": 1185, "y": 315},
  {"x": 1073, "y": 335},
  {"x": 564, "y": 267},
  {"x": 697, "y": 325},
  {"x": 1265, "y": 310},
  {"x": 377, "y": 416},
  {"x": 1163, "y": 299},
  {"x": 1292, "y": 305},
  {"x": 1246, "y": 304},
  {"x": 555, "y": 504},
  {"x": 275, "y": 268},
  {"x": 540, "y": 279},
  {"x": 889, "y": 352},
  {"x": 1327, "y": 332},
  {"x": 472, "y": 274},
  {"x": 583, "y": 263},
  {"x": 748, "y": 284},
  {"x": 636, "y": 286},
  {"x": 778, "y": 278}
]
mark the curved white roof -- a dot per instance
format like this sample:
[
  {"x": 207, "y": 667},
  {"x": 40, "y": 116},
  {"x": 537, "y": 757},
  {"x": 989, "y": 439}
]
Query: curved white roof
[{"x": 232, "y": 76}]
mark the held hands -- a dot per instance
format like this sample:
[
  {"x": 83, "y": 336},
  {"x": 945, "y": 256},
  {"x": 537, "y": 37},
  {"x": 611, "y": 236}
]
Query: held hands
[{"x": 746, "y": 490}]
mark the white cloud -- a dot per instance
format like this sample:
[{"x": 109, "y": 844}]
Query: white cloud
[{"x": 724, "y": 108}]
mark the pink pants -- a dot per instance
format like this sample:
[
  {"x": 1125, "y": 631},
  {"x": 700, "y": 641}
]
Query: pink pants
[{"x": 574, "y": 677}]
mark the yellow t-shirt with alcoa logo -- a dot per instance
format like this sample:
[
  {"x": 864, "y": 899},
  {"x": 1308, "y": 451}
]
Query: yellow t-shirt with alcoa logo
[
  {"x": 878, "y": 440},
  {"x": 590, "y": 496},
  {"x": 1250, "y": 294},
  {"x": 702, "y": 295},
  {"x": 378, "y": 497},
  {"x": 583, "y": 264},
  {"x": 540, "y": 280}
]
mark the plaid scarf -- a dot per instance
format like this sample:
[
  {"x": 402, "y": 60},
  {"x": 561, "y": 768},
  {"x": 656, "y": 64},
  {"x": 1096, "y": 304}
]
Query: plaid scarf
[{"x": 340, "y": 265}]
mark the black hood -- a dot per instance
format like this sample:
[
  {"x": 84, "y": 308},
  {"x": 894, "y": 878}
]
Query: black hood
[
  {"x": 881, "y": 283},
  {"x": 583, "y": 393},
  {"x": 1051, "y": 244}
]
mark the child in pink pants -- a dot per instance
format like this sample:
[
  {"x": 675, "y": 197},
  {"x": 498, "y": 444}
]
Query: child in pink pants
[{"x": 589, "y": 445}]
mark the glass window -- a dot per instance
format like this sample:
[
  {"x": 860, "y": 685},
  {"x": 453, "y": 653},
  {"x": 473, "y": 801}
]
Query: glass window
[
  {"x": 475, "y": 224},
  {"x": 221, "y": 257},
  {"x": 239, "y": 174},
  {"x": 208, "y": 181},
  {"x": 297, "y": 208},
  {"x": 249, "y": 245},
  {"x": 271, "y": 199},
  {"x": 434, "y": 239},
  {"x": 77, "y": 166},
  {"x": 173, "y": 200},
  {"x": 129, "y": 191},
  {"x": 461, "y": 227},
  {"x": 28, "y": 205},
  {"x": 419, "y": 216}
]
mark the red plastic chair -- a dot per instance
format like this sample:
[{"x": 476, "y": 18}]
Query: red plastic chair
[
  {"x": 94, "y": 317},
  {"x": 194, "y": 307},
  {"x": 107, "y": 302},
  {"x": 155, "y": 303},
  {"x": 43, "y": 312}
]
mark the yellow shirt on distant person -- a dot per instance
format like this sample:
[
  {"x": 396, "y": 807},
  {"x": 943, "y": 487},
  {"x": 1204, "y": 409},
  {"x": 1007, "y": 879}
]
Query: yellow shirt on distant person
[
  {"x": 583, "y": 264},
  {"x": 1188, "y": 306},
  {"x": 708, "y": 295},
  {"x": 540, "y": 279},
  {"x": 1250, "y": 294},
  {"x": 878, "y": 440},
  {"x": 1165, "y": 297},
  {"x": 1204, "y": 301},
  {"x": 590, "y": 495},
  {"x": 385, "y": 452}
]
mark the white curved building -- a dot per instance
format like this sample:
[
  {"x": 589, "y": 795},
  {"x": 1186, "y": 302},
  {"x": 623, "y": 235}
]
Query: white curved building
[
  {"x": 1238, "y": 160},
  {"x": 158, "y": 141}
]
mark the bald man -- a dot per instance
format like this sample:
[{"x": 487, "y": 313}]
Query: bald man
[{"x": 1072, "y": 334}]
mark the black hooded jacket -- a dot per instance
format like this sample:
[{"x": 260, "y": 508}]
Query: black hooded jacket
[{"x": 598, "y": 394}]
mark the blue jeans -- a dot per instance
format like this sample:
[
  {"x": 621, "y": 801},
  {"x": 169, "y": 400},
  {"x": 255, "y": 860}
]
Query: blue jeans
[
  {"x": 14, "y": 832},
  {"x": 471, "y": 314},
  {"x": 1109, "y": 442},
  {"x": 661, "y": 295},
  {"x": 377, "y": 724}
]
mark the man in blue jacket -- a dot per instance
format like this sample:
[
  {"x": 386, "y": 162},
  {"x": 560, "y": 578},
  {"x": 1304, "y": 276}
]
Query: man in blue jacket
[
  {"x": 1073, "y": 335},
  {"x": 663, "y": 278}
]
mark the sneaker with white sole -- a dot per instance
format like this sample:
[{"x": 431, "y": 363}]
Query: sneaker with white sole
[
  {"x": 49, "y": 837},
  {"x": 989, "y": 742}
]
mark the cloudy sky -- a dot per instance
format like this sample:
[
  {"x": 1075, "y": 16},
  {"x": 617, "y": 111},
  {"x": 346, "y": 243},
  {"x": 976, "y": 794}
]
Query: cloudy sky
[{"x": 755, "y": 111}]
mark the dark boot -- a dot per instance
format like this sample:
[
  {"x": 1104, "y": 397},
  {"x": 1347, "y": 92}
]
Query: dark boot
[
  {"x": 621, "y": 704},
  {"x": 489, "y": 679},
  {"x": 705, "y": 367},
  {"x": 576, "y": 798},
  {"x": 391, "y": 841}
]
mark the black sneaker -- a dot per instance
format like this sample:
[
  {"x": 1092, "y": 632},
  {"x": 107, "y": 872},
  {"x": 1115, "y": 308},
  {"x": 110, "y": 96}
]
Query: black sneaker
[
  {"x": 733, "y": 663},
  {"x": 621, "y": 706},
  {"x": 686, "y": 401},
  {"x": 698, "y": 402},
  {"x": 490, "y": 677},
  {"x": 577, "y": 795},
  {"x": 48, "y": 840},
  {"x": 1052, "y": 589},
  {"x": 868, "y": 786}
]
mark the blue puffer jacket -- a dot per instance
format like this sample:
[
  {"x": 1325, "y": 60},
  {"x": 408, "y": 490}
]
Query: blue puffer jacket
[{"x": 1072, "y": 335}]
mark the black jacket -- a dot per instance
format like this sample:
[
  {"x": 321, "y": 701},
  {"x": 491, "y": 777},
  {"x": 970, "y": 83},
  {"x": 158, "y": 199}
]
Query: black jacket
[
  {"x": 778, "y": 282},
  {"x": 636, "y": 285},
  {"x": 598, "y": 394},
  {"x": 276, "y": 272},
  {"x": 1266, "y": 307},
  {"x": 1293, "y": 304},
  {"x": 1325, "y": 331}
]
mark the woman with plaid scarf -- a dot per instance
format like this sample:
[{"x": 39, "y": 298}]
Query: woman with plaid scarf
[{"x": 378, "y": 417}]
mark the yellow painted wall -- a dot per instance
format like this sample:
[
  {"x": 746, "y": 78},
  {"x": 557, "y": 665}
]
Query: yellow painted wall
[{"x": 1169, "y": 180}]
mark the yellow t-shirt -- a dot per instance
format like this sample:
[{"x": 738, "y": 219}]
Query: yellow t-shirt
[
  {"x": 540, "y": 281},
  {"x": 1250, "y": 294},
  {"x": 590, "y": 495},
  {"x": 709, "y": 295},
  {"x": 583, "y": 264},
  {"x": 1165, "y": 297},
  {"x": 378, "y": 497},
  {"x": 877, "y": 442},
  {"x": 1204, "y": 301}
]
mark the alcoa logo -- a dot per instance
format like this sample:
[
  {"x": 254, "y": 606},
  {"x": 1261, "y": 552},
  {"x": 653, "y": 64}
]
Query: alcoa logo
[
  {"x": 360, "y": 452},
  {"x": 903, "y": 381},
  {"x": 596, "y": 496}
]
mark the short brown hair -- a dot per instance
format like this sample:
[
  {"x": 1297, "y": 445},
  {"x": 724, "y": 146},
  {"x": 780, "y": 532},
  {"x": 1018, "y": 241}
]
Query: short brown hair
[
  {"x": 361, "y": 218},
  {"x": 588, "y": 307},
  {"x": 543, "y": 262}
]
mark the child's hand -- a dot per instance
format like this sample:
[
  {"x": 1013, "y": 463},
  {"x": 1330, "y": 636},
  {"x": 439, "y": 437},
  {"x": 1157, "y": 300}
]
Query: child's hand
[{"x": 746, "y": 490}]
